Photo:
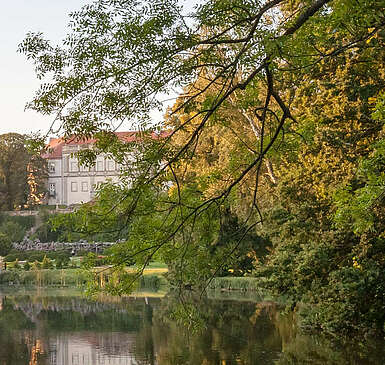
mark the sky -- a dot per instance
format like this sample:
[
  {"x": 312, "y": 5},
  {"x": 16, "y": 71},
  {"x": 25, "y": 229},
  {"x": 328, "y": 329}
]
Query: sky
[
  {"x": 17, "y": 78},
  {"x": 18, "y": 82}
]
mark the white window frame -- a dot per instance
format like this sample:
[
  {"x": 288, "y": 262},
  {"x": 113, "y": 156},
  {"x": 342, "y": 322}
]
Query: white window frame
[
  {"x": 74, "y": 166},
  {"x": 111, "y": 165},
  {"x": 84, "y": 186},
  {"x": 99, "y": 165},
  {"x": 52, "y": 189},
  {"x": 74, "y": 186}
]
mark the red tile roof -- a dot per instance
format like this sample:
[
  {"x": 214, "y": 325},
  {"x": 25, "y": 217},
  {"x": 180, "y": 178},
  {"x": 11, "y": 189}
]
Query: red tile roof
[
  {"x": 55, "y": 145},
  {"x": 54, "y": 148}
]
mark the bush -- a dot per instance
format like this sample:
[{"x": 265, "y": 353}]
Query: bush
[
  {"x": 16, "y": 264},
  {"x": 354, "y": 300},
  {"x": 31, "y": 256},
  {"x": 9, "y": 277},
  {"x": 27, "y": 266},
  {"x": 43, "y": 277},
  {"x": 153, "y": 282},
  {"x": 5, "y": 244},
  {"x": 27, "y": 222},
  {"x": 234, "y": 283},
  {"x": 36, "y": 265},
  {"x": 62, "y": 262},
  {"x": 14, "y": 231},
  {"x": 15, "y": 227},
  {"x": 46, "y": 263}
]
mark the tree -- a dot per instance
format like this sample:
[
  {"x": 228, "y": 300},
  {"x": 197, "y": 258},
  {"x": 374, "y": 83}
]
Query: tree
[
  {"x": 13, "y": 157},
  {"x": 293, "y": 79},
  {"x": 116, "y": 61},
  {"x": 5, "y": 244},
  {"x": 14, "y": 231},
  {"x": 22, "y": 173}
]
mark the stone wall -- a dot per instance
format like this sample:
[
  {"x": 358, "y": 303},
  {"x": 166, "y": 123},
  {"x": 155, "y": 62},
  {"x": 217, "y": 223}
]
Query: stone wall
[
  {"x": 36, "y": 212},
  {"x": 74, "y": 247}
]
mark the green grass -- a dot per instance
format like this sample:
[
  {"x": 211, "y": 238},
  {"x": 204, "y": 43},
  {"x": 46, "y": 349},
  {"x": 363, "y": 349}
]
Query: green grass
[
  {"x": 153, "y": 282},
  {"x": 151, "y": 265},
  {"x": 51, "y": 207},
  {"x": 235, "y": 283},
  {"x": 48, "y": 277}
]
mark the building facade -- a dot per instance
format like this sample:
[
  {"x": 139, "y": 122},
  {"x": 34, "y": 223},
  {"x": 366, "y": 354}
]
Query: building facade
[{"x": 69, "y": 182}]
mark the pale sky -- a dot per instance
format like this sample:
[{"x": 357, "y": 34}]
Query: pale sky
[{"x": 17, "y": 77}]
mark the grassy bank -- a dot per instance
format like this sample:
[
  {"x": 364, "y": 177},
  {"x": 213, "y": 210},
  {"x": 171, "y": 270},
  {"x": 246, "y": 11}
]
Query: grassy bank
[
  {"x": 235, "y": 283},
  {"x": 152, "y": 278},
  {"x": 47, "y": 277},
  {"x": 69, "y": 277}
]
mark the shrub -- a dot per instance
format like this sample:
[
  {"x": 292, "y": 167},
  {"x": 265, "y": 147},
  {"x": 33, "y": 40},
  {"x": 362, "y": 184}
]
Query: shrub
[
  {"x": 62, "y": 262},
  {"x": 27, "y": 222},
  {"x": 14, "y": 231},
  {"x": 153, "y": 282},
  {"x": 5, "y": 244},
  {"x": 37, "y": 255},
  {"x": 354, "y": 300},
  {"x": 36, "y": 265},
  {"x": 46, "y": 263},
  {"x": 27, "y": 266},
  {"x": 16, "y": 264},
  {"x": 8, "y": 277},
  {"x": 235, "y": 283}
]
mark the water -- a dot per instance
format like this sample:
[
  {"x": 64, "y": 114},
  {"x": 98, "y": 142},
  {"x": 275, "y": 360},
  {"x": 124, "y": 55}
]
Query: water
[{"x": 63, "y": 328}]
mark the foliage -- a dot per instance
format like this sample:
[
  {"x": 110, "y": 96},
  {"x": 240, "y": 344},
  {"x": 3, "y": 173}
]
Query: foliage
[
  {"x": 13, "y": 231},
  {"x": 237, "y": 283},
  {"x": 22, "y": 173},
  {"x": 360, "y": 204},
  {"x": 62, "y": 262},
  {"x": 38, "y": 255},
  {"x": 5, "y": 244},
  {"x": 25, "y": 221},
  {"x": 27, "y": 266},
  {"x": 152, "y": 282},
  {"x": 274, "y": 123},
  {"x": 46, "y": 263},
  {"x": 37, "y": 276},
  {"x": 327, "y": 222},
  {"x": 353, "y": 300}
]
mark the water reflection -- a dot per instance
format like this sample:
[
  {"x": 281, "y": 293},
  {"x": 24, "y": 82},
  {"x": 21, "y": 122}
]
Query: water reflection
[{"x": 67, "y": 329}]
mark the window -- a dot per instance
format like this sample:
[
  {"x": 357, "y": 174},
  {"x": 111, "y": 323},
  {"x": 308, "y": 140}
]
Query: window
[
  {"x": 51, "y": 167},
  {"x": 74, "y": 186},
  {"x": 84, "y": 186},
  {"x": 99, "y": 166},
  {"x": 52, "y": 189},
  {"x": 75, "y": 358},
  {"x": 111, "y": 165},
  {"x": 97, "y": 184},
  {"x": 74, "y": 166}
]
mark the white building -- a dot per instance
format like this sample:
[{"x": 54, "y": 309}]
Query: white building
[{"x": 68, "y": 182}]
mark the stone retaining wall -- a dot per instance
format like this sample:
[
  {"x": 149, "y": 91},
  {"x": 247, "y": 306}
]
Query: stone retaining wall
[
  {"x": 36, "y": 245},
  {"x": 36, "y": 212}
]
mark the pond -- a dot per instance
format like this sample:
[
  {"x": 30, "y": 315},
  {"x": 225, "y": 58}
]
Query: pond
[{"x": 62, "y": 327}]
